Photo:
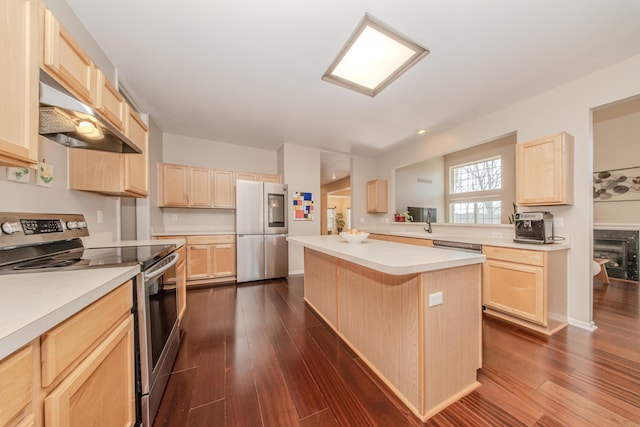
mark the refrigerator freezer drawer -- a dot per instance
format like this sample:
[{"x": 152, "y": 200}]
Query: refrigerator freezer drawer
[
  {"x": 276, "y": 254},
  {"x": 250, "y": 258}
]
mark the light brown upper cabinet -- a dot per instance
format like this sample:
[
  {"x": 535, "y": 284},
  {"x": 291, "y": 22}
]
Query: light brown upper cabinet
[
  {"x": 113, "y": 174},
  {"x": 64, "y": 59},
  {"x": 378, "y": 195},
  {"x": 544, "y": 171},
  {"x": 19, "y": 83},
  {"x": 173, "y": 185},
  {"x": 248, "y": 176},
  {"x": 200, "y": 187},
  {"x": 264, "y": 177},
  {"x": 136, "y": 177},
  {"x": 109, "y": 102},
  {"x": 224, "y": 189}
]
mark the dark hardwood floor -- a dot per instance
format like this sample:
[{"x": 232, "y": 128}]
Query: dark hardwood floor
[{"x": 255, "y": 355}]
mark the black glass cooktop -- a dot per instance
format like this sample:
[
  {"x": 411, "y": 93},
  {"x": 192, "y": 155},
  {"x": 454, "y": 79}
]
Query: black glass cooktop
[{"x": 81, "y": 258}]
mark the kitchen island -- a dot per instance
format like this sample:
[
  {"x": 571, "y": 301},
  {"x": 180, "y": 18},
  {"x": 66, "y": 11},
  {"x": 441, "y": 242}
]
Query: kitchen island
[{"x": 413, "y": 314}]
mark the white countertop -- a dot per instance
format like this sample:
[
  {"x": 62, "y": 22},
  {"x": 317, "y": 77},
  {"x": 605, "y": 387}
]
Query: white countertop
[
  {"x": 506, "y": 243},
  {"x": 33, "y": 303},
  {"x": 389, "y": 257}
]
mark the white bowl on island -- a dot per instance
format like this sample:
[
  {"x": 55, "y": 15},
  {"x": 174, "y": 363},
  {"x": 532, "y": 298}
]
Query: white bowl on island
[{"x": 354, "y": 236}]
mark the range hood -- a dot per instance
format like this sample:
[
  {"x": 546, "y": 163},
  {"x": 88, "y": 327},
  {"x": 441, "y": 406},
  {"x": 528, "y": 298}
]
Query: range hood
[{"x": 67, "y": 121}]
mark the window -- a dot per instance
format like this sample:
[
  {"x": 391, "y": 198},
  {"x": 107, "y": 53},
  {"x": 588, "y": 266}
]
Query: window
[
  {"x": 331, "y": 213},
  {"x": 480, "y": 176},
  {"x": 475, "y": 193},
  {"x": 487, "y": 212}
]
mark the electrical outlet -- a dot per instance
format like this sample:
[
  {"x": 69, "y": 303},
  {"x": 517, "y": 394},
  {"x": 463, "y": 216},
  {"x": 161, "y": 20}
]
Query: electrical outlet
[
  {"x": 558, "y": 222},
  {"x": 386, "y": 220},
  {"x": 174, "y": 217},
  {"x": 361, "y": 220},
  {"x": 496, "y": 235},
  {"x": 435, "y": 299},
  {"x": 100, "y": 215}
]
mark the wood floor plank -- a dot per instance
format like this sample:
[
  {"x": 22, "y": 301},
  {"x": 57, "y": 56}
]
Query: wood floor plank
[
  {"x": 305, "y": 393},
  {"x": 370, "y": 394},
  {"x": 252, "y": 353},
  {"x": 211, "y": 414},
  {"x": 588, "y": 410},
  {"x": 210, "y": 379},
  {"x": 273, "y": 394},
  {"x": 174, "y": 408}
]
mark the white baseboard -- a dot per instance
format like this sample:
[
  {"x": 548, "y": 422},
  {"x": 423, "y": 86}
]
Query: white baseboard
[
  {"x": 294, "y": 272},
  {"x": 589, "y": 326}
]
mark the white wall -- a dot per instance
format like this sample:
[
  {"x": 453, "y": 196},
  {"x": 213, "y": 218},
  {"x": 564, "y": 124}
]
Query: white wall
[
  {"x": 217, "y": 155},
  {"x": 301, "y": 167},
  {"x": 18, "y": 197},
  {"x": 411, "y": 192},
  {"x": 565, "y": 108},
  {"x": 616, "y": 145}
]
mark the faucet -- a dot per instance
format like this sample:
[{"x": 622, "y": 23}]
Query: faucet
[{"x": 428, "y": 229}]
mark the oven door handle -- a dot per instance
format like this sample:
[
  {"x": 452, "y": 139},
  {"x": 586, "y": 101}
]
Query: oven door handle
[{"x": 161, "y": 270}]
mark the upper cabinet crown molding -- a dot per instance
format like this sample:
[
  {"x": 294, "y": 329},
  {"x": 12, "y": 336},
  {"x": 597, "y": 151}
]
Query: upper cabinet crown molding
[
  {"x": 19, "y": 83},
  {"x": 544, "y": 171}
]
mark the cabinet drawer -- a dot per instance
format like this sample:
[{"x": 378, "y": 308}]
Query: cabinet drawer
[
  {"x": 16, "y": 370},
  {"x": 210, "y": 240},
  {"x": 64, "y": 344},
  {"x": 520, "y": 256}
]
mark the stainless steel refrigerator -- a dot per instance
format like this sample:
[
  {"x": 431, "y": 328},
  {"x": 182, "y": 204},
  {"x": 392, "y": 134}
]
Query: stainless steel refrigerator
[{"x": 261, "y": 231}]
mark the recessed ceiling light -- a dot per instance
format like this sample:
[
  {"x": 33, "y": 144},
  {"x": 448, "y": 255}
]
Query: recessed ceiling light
[
  {"x": 422, "y": 131},
  {"x": 373, "y": 57}
]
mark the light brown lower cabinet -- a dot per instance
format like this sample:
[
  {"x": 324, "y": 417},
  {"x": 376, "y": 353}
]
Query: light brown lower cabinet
[
  {"x": 526, "y": 287},
  {"x": 16, "y": 401},
  {"x": 81, "y": 372},
  {"x": 211, "y": 258},
  {"x": 100, "y": 390},
  {"x": 207, "y": 259}
]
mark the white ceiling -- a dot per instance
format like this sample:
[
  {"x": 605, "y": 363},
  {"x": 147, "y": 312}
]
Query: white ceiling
[{"x": 248, "y": 71}]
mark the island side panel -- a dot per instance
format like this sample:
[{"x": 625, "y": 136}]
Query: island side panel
[
  {"x": 453, "y": 335},
  {"x": 321, "y": 284},
  {"x": 378, "y": 317}
]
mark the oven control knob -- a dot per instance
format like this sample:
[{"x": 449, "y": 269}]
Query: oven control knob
[
  {"x": 72, "y": 225},
  {"x": 10, "y": 227},
  {"x": 82, "y": 224}
]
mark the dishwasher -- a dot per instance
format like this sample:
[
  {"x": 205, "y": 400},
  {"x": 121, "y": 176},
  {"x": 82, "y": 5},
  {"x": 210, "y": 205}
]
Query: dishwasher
[{"x": 458, "y": 246}]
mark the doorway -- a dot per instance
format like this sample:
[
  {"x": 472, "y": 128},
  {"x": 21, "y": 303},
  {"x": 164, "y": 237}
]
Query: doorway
[
  {"x": 616, "y": 191},
  {"x": 335, "y": 192}
]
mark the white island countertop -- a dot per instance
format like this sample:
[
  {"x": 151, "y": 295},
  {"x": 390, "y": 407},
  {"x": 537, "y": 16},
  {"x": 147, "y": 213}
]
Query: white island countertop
[
  {"x": 33, "y": 303},
  {"x": 389, "y": 257}
]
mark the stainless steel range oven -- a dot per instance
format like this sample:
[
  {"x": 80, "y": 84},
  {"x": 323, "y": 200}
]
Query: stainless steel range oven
[{"x": 47, "y": 242}]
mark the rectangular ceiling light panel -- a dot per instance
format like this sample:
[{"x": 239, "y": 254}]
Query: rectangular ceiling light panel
[{"x": 373, "y": 57}]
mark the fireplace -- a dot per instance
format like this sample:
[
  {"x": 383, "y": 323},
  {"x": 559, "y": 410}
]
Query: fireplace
[{"x": 620, "y": 247}]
